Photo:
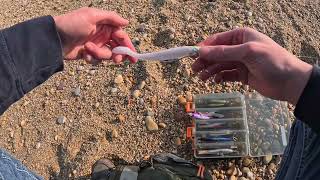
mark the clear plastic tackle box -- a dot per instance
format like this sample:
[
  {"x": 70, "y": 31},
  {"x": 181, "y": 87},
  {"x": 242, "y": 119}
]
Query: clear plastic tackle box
[{"x": 229, "y": 125}]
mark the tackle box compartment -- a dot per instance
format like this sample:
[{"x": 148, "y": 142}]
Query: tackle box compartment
[{"x": 226, "y": 125}]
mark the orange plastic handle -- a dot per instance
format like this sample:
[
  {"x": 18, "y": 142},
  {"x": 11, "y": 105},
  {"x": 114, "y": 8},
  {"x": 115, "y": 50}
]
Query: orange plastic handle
[
  {"x": 189, "y": 107},
  {"x": 189, "y": 132}
]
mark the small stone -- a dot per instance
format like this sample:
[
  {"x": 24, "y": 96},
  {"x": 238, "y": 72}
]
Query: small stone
[
  {"x": 272, "y": 166},
  {"x": 96, "y": 105},
  {"x": 71, "y": 73},
  {"x": 61, "y": 120},
  {"x": 249, "y": 13},
  {"x": 121, "y": 118},
  {"x": 147, "y": 157},
  {"x": 23, "y": 123},
  {"x": 233, "y": 178},
  {"x": 141, "y": 85},
  {"x": 118, "y": 79},
  {"x": 114, "y": 133},
  {"x": 242, "y": 178},
  {"x": 151, "y": 125},
  {"x": 60, "y": 86},
  {"x": 245, "y": 170},
  {"x": 74, "y": 172},
  {"x": 142, "y": 28},
  {"x": 230, "y": 171},
  {"x": 267, "y": 159},
  {"x": 189, "y": 97},
  {"x": 136, "y": 41},
  {"x": 238, "y": 172},
  {"x": 150, "y": 112},
  {"x": 153, "y": 101},
  {"x": 80, "y": 68},
  {"x": 250, "y": 175},
  {"x": 141, "y": 101},
  {"x": 186, "y": 72},
  {"x": 77, "y": 91},
  {"x": 177, "y": 141},
  {"x": 136, "y": 93},
  {"x": 182, "y": 100},
  {"x": 171, "y": 36},
  {"x": 246, "y": 161},
  {"x": 38, "y": 145},
  {"x": 162, "y": 125},
  {"x": 276, "y": 127},
  {"x": 11, "y": 134},
  {"x": 92, "y": 72},
  {"x": 114, "y": 90},
  {"x": 56, "y": 137}
]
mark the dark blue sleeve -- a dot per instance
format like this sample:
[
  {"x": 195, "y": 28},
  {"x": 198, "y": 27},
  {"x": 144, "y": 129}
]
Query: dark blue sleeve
[
  {"x": 30, "y": 52},
  {"x": 308, "y": 106}
]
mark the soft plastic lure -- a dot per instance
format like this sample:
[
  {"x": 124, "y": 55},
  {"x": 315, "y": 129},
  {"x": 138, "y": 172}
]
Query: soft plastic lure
[
  {"x": 206, "y": 115},
  {"x": 199, "y": 116},
  {"x": 216, "y": 151},
  {"x": 216, "y": 139},
  {"x": 164, "y": 55}
]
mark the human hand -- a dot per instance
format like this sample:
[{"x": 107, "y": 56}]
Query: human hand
[
  {"x": 253, "y": 58},
  {"x": 89, "y": 32}
]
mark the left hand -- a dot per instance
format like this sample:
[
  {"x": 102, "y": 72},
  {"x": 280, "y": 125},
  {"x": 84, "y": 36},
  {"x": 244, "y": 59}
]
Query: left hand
[{"x": 89, "y": 32}]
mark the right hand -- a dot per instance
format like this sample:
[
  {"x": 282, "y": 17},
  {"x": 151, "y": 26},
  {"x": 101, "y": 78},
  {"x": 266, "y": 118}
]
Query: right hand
[{"x": 253, "y": 58}]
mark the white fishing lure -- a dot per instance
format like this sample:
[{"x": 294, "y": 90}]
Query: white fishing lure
[{"x": 164, "y": 55}]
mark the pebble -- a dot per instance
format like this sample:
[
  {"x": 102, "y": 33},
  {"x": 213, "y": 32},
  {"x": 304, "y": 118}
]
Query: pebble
[
  {"x": 114, "y": 90},
  {"x": 242, "y": 178},
  {"x": 92, "y": 72},
  {"x": 77, "y": 91},
  {"x": 182, "y": 100},
  {"x": 56, "y": 137},
  {"x": 38, "y": 145},
  {"x": 141, "y": 85},
  {"x": 23, "y": 123},
  {"x": 114, "y": 133},
  {"x": 272, "y": 166},
  {"x": 238, "y": 172},
  {"x": 249, "y": 13},
  {"x": 80, "y": 68},
  {"x": 250, "y": 175},
  {"x": 246, "y": 161},
  {"x": 245, "y": 170},
  {"x": 136, "y": 41},
  {"x": 189, "y": 97},
  {"x": 233, "y": 178},
  {"x": 118, "y": 79},
  {"x": 136, "y": 93},
  {"x": 121, "y": 118},
  {"x": 141, "y": 101},
  {"x": 162, "y": 125},
  {"x": 150, "y": 112},
  {"x": 142, "y": 27},
  {"x": 151, "y": 125},
  {"x": 267, "y": 159},
  {"x": 177, "y": 141},
  {"x": 60, "y": 86},
  {"x": 231, "y": 171},
  {"x": 61, "y": 120}
]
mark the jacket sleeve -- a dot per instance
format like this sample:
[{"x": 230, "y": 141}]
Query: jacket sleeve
[
  {"x": 308, "y": 105},
  {"x": 30, "y": 52}
]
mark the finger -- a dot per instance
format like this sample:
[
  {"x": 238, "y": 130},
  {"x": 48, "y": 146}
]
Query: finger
[
  {"x": 198, "y": 65},
  {"x": 224, "y": 76},
  {"x": 98, "y": 52},
  {"x": 232, "y": 37},
  {"x": 109, "y": 18},
  {"x": 222, "y": 53},
  {"x": 239, "y": 75},
  {"x": 117, "y": 58},
  {"x": 122, "y": 39},
  {"x": 216, "y": 68}
]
